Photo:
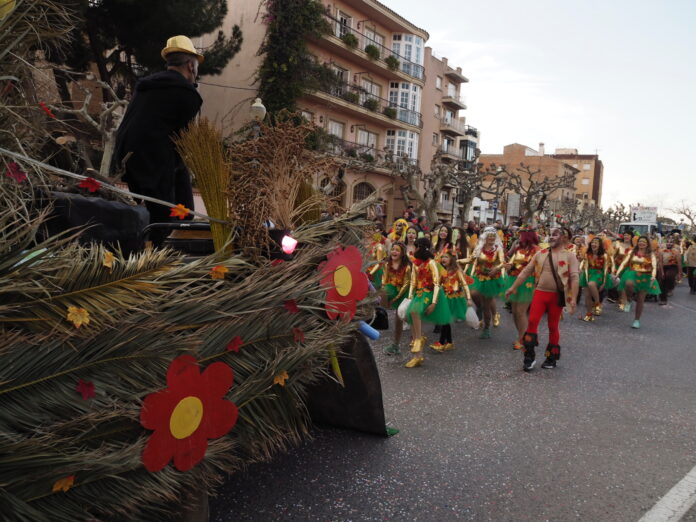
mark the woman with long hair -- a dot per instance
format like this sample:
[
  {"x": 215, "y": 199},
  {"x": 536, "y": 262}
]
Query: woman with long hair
[
  {"x": 410, "y": 243},
  {"x": 638, "y": 276},
  {"x": 442, "y": 242},
  {"x": 521, "y": 254},
  {"x": 396, "y": 279},
  {"x": 622, "y": 248},
  {"x": 596, "y": 268},
  {"x": 458, "y": 297},
  {"x": 427, "y": 300},
  {"x": 488, "y": 272}
]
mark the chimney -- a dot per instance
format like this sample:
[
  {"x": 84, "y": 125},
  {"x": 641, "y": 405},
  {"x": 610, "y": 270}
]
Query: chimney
[{"x": 541, "y": 148}]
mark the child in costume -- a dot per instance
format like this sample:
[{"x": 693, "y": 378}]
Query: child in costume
[
  {"x": 488, "y": 272},
  {"x": 622, "y": 248},
  {"x": 396, "y": 279},
  {"x": 522, "y": 253},
  {"x": 596, "y": 268},
  {"x": 411, "y": 236},
  {"x": 638, "y": 275},
  {"x": 376, "y": 253},
  {"x": 427, "y": 300},
  {"x": 456, "y": 290}
]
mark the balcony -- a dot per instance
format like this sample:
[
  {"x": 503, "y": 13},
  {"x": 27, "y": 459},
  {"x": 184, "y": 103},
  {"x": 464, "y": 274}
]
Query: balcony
[
  {"x": 371, "y": 55},
  {"x": 358, "y": 155},
  {"x": 455, "y": 76},
  {"x": 379, "y": 110},
  {"x": 452, "y": 152},
  {"x": 454, "y": 102},
  {"x": 471, "y": 131},
  {"x": 452, "y": 126}
]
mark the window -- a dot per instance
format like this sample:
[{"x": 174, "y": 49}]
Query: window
[
  {"x": 337, "y": 191},
  {"x": 438, "y": 82},
  {"x": 585, "y": 181},
  {"x": 367, "y": 138},
  {"x": 449, "y": 116},
  {"x": 336, "y": 128},
  {"x": 444, "y": 196},
  {"x": 436, "y": 138},
  {"x": 342, "y": 76},
  {"x": 372, "y": 90},
  {"x": 586, "y": 166},
  {"x": 345, "y": 24},
  {"x": 371, "y": 37},
  {"x": 575, "y": 165},
  {"x": 307, "y": 115},
  {"x": 437, "y": 110},
  {"x": 361, "y": 191},
  {"x": 451, "y": 90}
]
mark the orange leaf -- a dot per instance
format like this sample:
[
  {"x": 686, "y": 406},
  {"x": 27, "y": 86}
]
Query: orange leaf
[
  {"x": 218, "y": 272},
  {"x": 179, "y": 211},
  {"x": 281, "y": 378},
  {"x": 78, "y": 316},
  {"x": 108, "y": 260},
  {"x": 64, "y": 484}
]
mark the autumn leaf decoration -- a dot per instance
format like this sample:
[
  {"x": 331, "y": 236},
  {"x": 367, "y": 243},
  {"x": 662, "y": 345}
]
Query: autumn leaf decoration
[
  {"x": 218, "y": 272},
  {"x": 281, "y": 377},
  {"x": 179, "y": 211},
  {"x": 63, "y": 484},
  {"x": 90, "y": 184},
  {"x": 78, "y": 316},
  {"x": 85, "y": 388},
  {"x": 108, "y": 260}
]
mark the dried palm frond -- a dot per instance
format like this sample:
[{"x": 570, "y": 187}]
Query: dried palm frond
[{"x": 201, "y": 148}]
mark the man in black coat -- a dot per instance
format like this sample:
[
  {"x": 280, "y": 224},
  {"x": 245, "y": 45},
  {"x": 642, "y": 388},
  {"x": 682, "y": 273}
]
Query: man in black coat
[{"x": 163, "y": 105}]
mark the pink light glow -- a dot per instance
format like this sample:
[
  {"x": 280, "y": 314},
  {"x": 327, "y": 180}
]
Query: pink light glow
[{"x": 288, "y": 244}]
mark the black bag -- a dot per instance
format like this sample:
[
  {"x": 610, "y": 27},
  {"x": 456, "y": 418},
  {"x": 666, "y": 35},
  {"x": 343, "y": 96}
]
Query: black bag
[
  {"x": 560, "y": 291},
  {"x": 380, "y": 321}
]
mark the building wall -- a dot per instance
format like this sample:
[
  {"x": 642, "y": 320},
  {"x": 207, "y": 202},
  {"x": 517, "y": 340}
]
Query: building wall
[{"x": 588, "y": 184}]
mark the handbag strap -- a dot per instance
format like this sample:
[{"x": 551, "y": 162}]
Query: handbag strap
[{"x": 559, "y": 285}]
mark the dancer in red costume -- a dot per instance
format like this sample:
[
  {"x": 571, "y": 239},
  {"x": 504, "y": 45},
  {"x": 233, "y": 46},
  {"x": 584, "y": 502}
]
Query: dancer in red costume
[{"x": 554, "y": 269}]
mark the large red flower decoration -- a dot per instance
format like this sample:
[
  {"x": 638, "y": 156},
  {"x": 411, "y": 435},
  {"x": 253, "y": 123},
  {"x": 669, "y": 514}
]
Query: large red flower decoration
[
  {"x": 345, "y": 282},
  {"x": 191, "y": 410}
]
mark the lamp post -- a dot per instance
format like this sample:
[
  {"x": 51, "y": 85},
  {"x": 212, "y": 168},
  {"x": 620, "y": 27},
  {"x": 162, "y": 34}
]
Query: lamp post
[
  {"x": 498, "y": 180},
  {"x": 258, "y": 113}
]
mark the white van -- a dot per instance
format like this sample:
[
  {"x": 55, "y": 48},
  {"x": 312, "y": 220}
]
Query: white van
[{"x": 642, "y": 229}]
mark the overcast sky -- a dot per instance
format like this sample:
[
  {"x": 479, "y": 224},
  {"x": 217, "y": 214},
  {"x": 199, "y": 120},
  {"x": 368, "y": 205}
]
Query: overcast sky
[{"x": 615, "y": 77}]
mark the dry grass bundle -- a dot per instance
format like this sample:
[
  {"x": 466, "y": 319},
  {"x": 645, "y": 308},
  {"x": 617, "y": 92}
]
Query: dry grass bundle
[
  {"x": 268, "y": 176},
  {"x": 201, "y": 148}
]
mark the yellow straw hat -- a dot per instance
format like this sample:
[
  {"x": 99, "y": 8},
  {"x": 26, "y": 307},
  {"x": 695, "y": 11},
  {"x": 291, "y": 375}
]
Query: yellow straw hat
[{"x": 181, "y": 44}]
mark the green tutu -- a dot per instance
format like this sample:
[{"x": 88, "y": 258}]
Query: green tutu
[
  {"x": 597, "y": 277},
  {"x": 524, "y": 292},
  {"x": 491, "y": 288},
  {"x": 376, "y": 278},
  {"x": 392, "y": 292},
  {"x": 441, "y": 314},
  {"x": 641, "y": 282},
  {"x": 458, "y": 307}
]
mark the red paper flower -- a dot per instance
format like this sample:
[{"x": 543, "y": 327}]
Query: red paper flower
[
  {"x": 15, "y": 172},
  {"x": 90, "y": 184},
  {"x": 47, "y": 110},
  {"x": 179, "y": 211},
  {"x": 345, "y": 282},
  {"x": 235, "y": 344},
  {"x": 191, "y": 410},
  {"x": 291, "y": 306},
  {"x": 298, "y": 335},
  {"x": 85, "y": 388},
  {"x": 561, "y": 263},
  {"x": 277, "y": 262}
]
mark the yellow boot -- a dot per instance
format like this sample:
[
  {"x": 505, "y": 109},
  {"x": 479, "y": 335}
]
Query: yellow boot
[
  {"x": 415, "y": 361},
  {"x": 418, "y": 344},
  {"x": 496, "y": 320}
]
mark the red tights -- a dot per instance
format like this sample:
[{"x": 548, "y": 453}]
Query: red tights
[{"x": 544, "y": 302}]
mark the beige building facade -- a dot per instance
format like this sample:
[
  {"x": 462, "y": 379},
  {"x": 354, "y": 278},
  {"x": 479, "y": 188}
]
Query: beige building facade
[
  {"x": 588, "y": 183},
  {"x": 374, "y": 113}
]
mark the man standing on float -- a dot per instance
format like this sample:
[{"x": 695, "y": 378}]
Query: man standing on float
[{"x": 556, "y": 272}]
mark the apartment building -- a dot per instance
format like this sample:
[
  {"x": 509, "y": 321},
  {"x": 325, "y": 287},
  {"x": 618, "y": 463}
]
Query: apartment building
[
  {"x": 515, "y": 155},
  {"x": 444, "y": 130},
  {"x": 588, "y": 183}
]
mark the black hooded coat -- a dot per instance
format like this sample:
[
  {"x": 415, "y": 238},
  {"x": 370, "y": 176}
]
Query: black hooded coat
[{"x": 163, "y": 105}]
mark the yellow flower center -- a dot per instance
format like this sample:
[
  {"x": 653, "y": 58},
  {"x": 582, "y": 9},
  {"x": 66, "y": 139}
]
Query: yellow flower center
[
  {"x": 343, "y": 280},
  {"x": 186, "y": 417}
]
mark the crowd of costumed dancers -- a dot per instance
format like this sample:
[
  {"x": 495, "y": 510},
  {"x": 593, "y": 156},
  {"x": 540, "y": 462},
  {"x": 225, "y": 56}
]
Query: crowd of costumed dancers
[{"x": 447, "y": 275}]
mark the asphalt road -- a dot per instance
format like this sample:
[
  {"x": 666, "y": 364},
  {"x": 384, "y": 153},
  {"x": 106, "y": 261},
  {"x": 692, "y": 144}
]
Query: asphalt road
[{"x": 602, "y": 437}]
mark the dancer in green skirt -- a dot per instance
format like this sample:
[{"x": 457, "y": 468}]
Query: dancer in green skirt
[
  {"x": 488, "y": 272},
  {"x": 396, "y": 279},
  {"x": 427, "y": 302},
  {"x": 520, "y": 256},
  {"x": 638, "y": 276},
  {"x": 458, "y": 297},
  {"x": 596, "y": 268}
]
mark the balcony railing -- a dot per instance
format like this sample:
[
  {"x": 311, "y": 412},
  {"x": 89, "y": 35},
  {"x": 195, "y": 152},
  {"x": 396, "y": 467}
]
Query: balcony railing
[
  {"x": 470, "y": 131},
  {"x": 454, "y": 124},
  {"x": 461, "y": 100},
  {"x": 451, "y": 150},
  {"x": 358, "y": 96},
  {"x": 367, "y": 154},
  {"x": 405, "y": 66}
]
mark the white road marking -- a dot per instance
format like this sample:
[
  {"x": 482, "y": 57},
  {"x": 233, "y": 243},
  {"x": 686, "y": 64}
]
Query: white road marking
[{"x": 678, "y": 500}]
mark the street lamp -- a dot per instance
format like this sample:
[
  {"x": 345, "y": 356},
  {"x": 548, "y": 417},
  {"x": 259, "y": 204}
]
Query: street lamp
[{"x": 258, "y": 113}]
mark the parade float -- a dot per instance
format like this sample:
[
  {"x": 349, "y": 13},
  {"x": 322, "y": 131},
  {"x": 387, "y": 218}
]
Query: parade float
[{"x": 131, "y": 384}]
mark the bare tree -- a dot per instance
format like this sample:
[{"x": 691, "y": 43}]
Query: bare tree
[
  {"x": 533, "y": 189},
  {"x": 686, "y": 211}
]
